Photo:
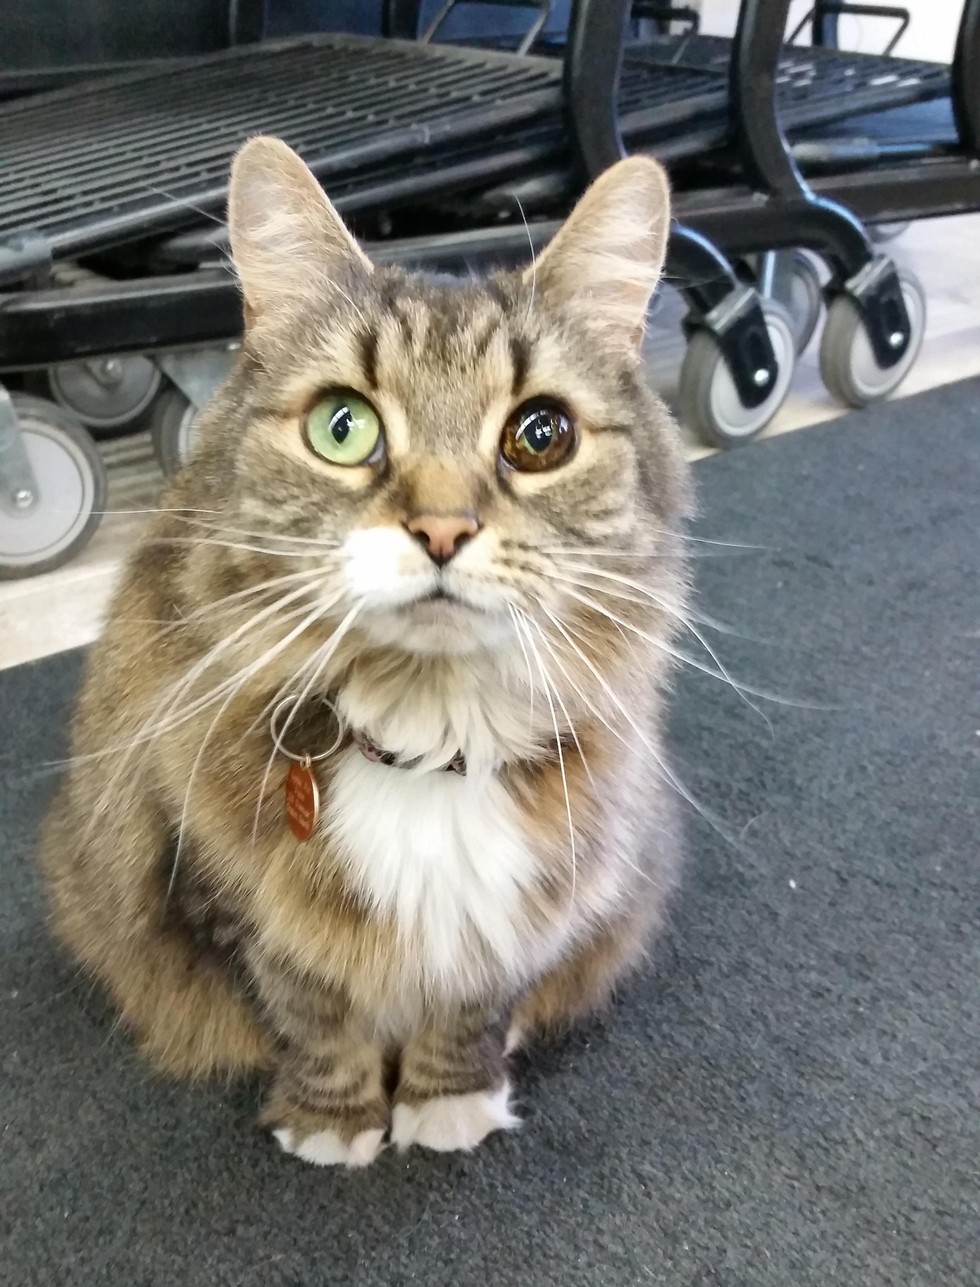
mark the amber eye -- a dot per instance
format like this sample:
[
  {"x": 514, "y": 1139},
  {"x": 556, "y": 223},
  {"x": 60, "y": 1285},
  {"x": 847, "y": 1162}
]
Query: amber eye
[{"x": 539, "y": 435}]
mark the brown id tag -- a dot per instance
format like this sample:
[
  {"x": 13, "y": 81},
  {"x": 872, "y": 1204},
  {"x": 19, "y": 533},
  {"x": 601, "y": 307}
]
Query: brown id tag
[{"x": 302, "y": 799}]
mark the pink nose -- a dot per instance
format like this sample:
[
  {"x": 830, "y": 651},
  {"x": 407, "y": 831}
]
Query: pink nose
[{"x": 442, "y": 535}]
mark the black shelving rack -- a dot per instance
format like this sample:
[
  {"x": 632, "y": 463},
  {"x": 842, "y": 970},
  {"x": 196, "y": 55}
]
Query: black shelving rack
[
  {"x": 93, "y": 166},
  {"x": 772, "y": 206},
  {"x": 124, "y": 169}
]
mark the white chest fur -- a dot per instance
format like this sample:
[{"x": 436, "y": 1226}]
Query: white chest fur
[{"x": 446, "y": 858}]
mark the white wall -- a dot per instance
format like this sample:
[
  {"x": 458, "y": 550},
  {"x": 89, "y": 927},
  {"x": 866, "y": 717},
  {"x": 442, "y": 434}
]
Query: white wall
[{"x": 931, "y": 33}]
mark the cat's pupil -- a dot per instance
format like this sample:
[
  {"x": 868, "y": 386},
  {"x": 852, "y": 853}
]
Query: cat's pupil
[
  {"x": 340, "y": 425},
  {"x": 538, "y": 430}
]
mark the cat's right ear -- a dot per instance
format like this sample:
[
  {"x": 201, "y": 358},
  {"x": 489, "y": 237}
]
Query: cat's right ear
[
  {"x": 287, "y": 240},
  {"x": 605, "y": 260}
]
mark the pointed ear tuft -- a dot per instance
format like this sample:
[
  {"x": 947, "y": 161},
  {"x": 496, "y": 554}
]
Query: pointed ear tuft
[
  {"x": 605, "y": 260},
  {"x": 287, "y": 240}
]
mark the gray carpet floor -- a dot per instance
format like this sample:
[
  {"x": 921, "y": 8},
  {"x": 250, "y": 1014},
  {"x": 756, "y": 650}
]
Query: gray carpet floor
[{"x": 790, "y": 1095}]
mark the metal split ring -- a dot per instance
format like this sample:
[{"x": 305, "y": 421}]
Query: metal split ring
[{"x": 290, "y": 703}]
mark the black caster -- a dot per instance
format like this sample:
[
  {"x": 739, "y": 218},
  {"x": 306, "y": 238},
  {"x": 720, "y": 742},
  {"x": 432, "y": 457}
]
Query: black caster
[
  {"x": 848, "y": 364},
  {"x": 709, "y": 401}
]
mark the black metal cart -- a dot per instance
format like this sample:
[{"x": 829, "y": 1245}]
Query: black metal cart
[
  {"x": 698, "y": 94},
  {"x": 875, "y": 315},
  {"x": 732, "y": 367},
  {"x": 93, "y": 169}
]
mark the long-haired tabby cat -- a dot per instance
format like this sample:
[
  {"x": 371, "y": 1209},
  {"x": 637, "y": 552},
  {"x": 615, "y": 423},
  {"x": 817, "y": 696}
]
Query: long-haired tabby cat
[{"x": 424, "y": 566}]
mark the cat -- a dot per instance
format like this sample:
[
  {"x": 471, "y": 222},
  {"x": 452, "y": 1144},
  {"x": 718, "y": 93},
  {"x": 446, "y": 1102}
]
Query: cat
[{"x": 368, "y": 783}]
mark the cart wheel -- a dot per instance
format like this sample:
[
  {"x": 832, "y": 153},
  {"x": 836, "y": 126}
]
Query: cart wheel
[
  {"x": 173, "y": 426},
  {"x": 708, "y": 397},
  {"x": 109, "y": 393},
  {"x": 801, "y": 294},
  {"x": 71, "y": 498},
  {"x": 848, "y": 365},
  {"x": 880, "y": 233}
]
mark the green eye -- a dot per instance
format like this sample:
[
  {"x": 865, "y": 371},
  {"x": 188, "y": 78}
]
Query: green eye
[{"x": 344, "y": 429}]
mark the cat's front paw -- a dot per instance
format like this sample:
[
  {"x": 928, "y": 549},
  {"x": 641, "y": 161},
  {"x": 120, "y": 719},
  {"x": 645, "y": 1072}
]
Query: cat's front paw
[
  {"x": 353, "y": 1138},
  {"x": 328, "y": 1148},
  {"x": 453, "y": 1122}
]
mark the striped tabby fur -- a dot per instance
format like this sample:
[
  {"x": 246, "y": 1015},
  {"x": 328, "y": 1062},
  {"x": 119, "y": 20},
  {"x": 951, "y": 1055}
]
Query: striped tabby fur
[{"x": 378, "y": 972}]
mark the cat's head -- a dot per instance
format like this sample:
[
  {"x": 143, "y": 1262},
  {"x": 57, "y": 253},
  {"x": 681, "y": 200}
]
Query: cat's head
[{"x": 447, "y": 452}]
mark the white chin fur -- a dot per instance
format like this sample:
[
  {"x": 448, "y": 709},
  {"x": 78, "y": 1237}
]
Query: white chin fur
[
  {"x": 326, "y": 1148},
  {"x": 387, "y": 571},
  {"x": 443, "y": 628},
  {"x": 453, "y": 1123}
]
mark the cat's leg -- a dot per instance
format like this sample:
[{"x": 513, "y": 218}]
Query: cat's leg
[
  {"x": 108, "y": 895},
  {"x": 453, "y": 1088},
  {"x": 582, "y": 983},
  {"x": 328, "y": 1104}
]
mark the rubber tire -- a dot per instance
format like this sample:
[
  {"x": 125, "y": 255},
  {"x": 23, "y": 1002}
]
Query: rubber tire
[
  {"x": 847, "y": 365},
  {"x": 135, "y": 419},
  {"x": 706, "y": 384},
  {"x": 882, "y": 233},
  {"x": 171, "y": 432},
  {"x": 47, "y": 420},
  {"x": 805, "y": 301}
]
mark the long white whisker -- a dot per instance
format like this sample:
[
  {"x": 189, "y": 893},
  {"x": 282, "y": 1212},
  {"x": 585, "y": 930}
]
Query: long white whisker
[
  {"x": 317, "y": 663},
  {"x": 181, "y": 201},
  {"x": 743, "y": 690},
  {"x": 151, "y": 728},
  {"x": 174, "y": 720},
  {"x": 229, "y": 545},
  {"x": 714, "y": 551},
  {"x": 270, "y": 706},
  {"x": 190, "y": 781},
  {"x": 663, "y": 770},
  {"x": 221, "y": 530},
  {"x": 586, "y": 703},
  {"x": 347, "y": 299},
  {"x": 663, "y": 531},
  {"x": 174, "y": 694},
  {"x": 600, "y": 720},
  {"x": 250, "y": 592},
  {"x": 547, "y": 677},
  {"x": 150, "y": 731},
  {"x": 534, "y": 261},
  {"x": 158, "y": 509},
  {"x": 561, "y": 766},
  {"x": 649, "y": 596},
  {"x": 595, "y": 714},
  {"x": 721, "y": 673},
  {"x": 241, "y": 680},
  {"x": 530, "y": 674}
]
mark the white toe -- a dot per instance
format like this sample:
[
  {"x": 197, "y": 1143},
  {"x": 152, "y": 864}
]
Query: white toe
[
  {"x": 515, "y": 1039},
  {"x": 326, "y": 1148},
  {"x": 452, "y": 1122}
]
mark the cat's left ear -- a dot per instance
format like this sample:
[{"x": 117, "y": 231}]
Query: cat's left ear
[
  {"x": 287, "y": 240},
  {"x": 605, "y": 261}
]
